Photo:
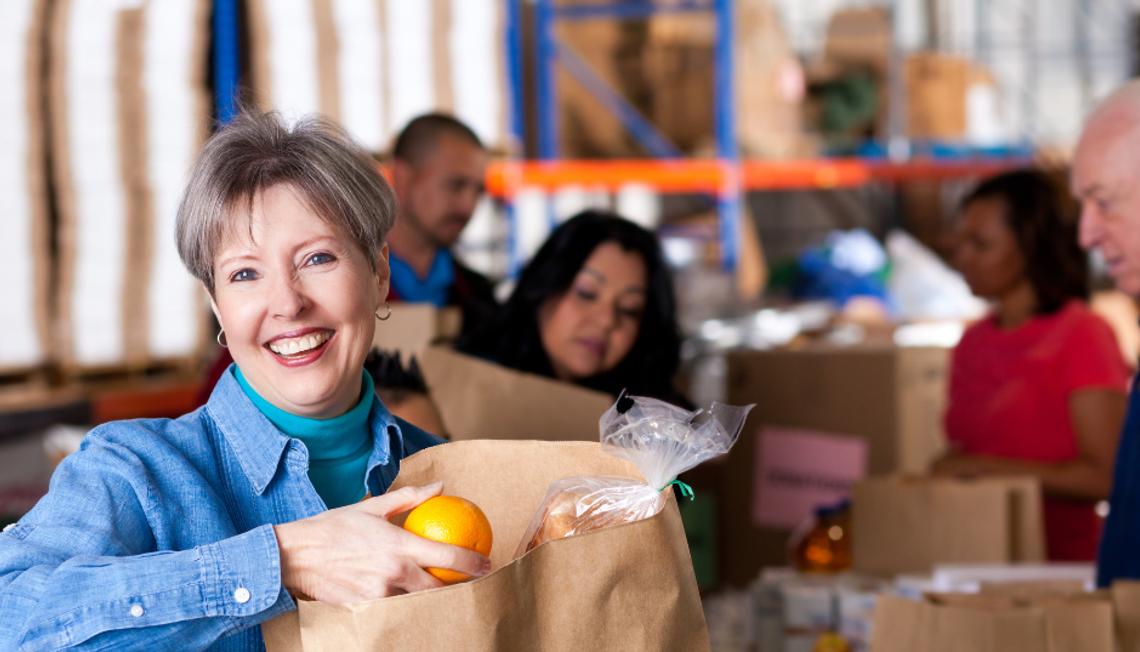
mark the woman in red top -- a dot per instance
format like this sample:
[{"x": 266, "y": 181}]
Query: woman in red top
[{"x": 1038, "y": 387}]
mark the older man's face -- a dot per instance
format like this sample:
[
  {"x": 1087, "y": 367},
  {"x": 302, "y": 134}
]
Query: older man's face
[{"x": 1106, "y": 173}]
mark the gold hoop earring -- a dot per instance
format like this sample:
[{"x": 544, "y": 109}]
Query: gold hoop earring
[
  {"x": 222, "y": 342},
  {"x": 387, "y": 314}
]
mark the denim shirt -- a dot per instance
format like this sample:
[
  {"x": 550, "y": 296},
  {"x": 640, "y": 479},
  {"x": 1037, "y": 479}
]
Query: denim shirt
[{"x": 157, "y": 534}]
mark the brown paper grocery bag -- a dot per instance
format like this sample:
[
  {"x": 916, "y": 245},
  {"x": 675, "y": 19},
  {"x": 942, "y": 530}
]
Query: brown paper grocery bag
[
  {"x": 993, "y": 623},
  {"x": 1126, "y": 600},
  {"x": 625, "y": 588},
  {"x": 479, "y": 399},
  {"x": 907, "y": 525}
]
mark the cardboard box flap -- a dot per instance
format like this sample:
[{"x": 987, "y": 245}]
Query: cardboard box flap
[
  {"x": 1033, "y": 590},
  {"x": 478, "y": 399},
  {"x": 413, "y": 327}
]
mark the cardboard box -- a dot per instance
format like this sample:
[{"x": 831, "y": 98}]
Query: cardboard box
[
  {"x": 679, "y": 62},
  {"x": 413, "y": 327},
  {"x": 938, "y": 86},
  {"x": 860, "y": 37},
  {"x": 612, "y": 50},
  {"x": 891, "y": 397}
]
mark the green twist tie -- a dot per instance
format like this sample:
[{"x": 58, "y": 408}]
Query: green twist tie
[{"x": 686, "y": 490}]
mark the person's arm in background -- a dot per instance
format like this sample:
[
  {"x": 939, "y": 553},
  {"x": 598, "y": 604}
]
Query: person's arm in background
[
  {"x": 403, "y": 391},
  {"x": 1094, "y": 379},
  {"x": 1097, "y": 416}
]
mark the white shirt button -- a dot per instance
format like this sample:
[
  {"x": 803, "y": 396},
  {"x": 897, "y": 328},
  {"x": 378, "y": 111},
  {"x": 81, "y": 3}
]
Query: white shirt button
[
  {"x": 137, "y": 610},
  {"x": 241, "y": 595}
]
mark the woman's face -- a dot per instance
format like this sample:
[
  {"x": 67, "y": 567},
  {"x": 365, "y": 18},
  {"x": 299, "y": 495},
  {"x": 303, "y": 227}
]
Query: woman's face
[
  {"x": 590, "y": 328},
  {"x": 297, "y": 300},
  {"x": 986, "y": 252}
]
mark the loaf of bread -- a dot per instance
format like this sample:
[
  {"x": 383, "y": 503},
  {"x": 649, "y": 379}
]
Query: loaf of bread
[{"x": 583, "y": 504}]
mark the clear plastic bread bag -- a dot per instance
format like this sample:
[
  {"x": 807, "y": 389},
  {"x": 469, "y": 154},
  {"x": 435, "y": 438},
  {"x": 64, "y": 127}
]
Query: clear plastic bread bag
[{"x": 661, "y": 440}]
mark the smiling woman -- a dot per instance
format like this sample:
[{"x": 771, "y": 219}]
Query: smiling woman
[
  {"x": 200, "y": 528},
  {"x": 297, "y": 301}
]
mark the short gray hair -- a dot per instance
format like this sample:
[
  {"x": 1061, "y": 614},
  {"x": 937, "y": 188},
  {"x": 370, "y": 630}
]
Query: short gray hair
[{"x": 257, "y": 151}]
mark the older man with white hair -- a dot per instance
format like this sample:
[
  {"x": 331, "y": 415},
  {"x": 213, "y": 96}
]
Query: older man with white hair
[{"x": 1106, "y": 176}]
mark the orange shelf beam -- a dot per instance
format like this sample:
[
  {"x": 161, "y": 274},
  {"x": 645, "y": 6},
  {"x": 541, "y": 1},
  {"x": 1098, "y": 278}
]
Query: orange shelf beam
[{"x": 710, "y": 175}]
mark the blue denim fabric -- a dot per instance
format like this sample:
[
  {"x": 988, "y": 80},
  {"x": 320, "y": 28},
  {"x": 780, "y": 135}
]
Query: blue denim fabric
[{"x": 158, "y": 535}]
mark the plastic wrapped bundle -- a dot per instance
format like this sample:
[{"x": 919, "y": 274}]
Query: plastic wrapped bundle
[{"x": 661, "y": 440}]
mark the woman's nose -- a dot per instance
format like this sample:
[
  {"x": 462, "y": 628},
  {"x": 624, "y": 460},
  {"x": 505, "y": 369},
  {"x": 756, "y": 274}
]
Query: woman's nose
[
  {"x": 288, "y": 300},
  {"x": 605, "y": 315}
]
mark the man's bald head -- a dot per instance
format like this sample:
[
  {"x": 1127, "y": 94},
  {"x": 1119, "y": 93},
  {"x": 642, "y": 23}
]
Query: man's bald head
[
  {"x": 1106, "y": 171},
  {"x": 1118, "y": 114}
]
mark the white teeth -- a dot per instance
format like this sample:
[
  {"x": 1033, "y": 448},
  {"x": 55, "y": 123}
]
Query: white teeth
[{"x": 295, "y": 345}]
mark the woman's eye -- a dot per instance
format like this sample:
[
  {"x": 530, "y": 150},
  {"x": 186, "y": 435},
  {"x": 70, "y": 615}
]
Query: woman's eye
[
  {"x": 631, "y": 313},
  {"x": 245, "y": 274},
  {"x": 320, "y": 259},
  {"x": 585, "y": 295}
]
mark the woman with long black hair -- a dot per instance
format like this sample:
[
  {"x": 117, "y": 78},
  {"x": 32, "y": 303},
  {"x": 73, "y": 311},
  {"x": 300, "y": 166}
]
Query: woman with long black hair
[{"x": 594, "y": 307}]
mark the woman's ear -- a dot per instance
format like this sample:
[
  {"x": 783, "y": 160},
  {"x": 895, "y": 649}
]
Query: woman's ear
[
  {"x": 383, "y": 271},
  {"x": 214, "y": 307}
]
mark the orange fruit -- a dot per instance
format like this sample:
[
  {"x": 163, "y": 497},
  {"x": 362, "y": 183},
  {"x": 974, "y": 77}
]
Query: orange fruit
[{"x": 453, "y": 520}]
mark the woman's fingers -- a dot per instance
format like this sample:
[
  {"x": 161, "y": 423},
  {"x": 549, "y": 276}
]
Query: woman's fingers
[
  {"x": 355, "y": 553},
  {"x": 417, "y": 579},
  {"x": 401, "y": 500},
  {"x": 427, "y": 553}
]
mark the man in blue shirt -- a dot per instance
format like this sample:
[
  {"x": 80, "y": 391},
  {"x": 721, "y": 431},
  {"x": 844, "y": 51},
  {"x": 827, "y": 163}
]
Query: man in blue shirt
[
  {"x": 1104, "y": 180},
  {"x": 438, "y": 174}
]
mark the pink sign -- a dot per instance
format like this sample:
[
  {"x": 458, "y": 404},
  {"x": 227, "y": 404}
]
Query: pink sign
[{"x": 799, "y": 470}]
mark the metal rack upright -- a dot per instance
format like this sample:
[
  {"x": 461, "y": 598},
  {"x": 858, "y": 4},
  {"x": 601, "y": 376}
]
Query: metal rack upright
[{"x": 549, "y": 53}]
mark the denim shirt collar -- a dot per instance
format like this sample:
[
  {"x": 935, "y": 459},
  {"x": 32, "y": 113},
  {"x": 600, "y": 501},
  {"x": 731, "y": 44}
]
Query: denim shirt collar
[{"x": 259, "y": 445}]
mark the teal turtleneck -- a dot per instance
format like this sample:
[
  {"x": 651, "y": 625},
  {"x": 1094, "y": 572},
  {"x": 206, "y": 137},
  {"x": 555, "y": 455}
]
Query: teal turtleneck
[{"x": 339, "y": 447}]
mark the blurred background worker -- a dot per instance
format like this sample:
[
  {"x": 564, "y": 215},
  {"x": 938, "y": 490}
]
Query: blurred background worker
[
  {"x": 1104, "y": 180},
  {"x": 1038, "y": 386},
  {"x": 594, "y": 307},
  {"x": 438, "y": 175}
]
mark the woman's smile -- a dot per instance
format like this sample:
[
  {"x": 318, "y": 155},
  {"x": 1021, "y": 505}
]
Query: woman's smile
[{"x": 300, "y": 347}]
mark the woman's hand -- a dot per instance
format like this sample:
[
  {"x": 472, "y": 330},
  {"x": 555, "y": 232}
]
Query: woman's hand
[{"x": 354, "y": 553}]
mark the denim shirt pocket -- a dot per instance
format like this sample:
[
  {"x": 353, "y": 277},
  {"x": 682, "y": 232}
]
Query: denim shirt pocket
[{"x": 18, "y": 531}]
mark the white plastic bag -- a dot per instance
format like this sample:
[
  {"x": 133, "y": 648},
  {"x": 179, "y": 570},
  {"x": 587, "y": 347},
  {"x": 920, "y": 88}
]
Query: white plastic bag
[{"x": 661, "y": 440}]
